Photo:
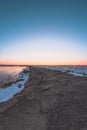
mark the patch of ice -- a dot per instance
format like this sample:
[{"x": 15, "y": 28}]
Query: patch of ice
[
  {"x": 27, "y": 68},
  {"x": 76, "y": 74},
  {"x": 7, "y": 93}
]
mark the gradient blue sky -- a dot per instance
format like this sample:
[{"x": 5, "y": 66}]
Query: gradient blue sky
[{"x": 43, "y": 32}]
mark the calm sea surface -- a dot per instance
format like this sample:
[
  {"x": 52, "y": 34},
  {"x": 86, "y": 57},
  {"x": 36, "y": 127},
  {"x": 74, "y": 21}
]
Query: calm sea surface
[{"x": 8, "y": 74}]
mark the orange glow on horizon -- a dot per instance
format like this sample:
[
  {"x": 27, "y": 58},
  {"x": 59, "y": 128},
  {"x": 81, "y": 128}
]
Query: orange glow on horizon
[
  {"x": 43, "y": 63},
  {"x": 44, "y": 49}
]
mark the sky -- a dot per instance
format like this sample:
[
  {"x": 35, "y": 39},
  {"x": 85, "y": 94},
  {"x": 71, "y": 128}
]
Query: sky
[{"x": 43, "y": 32}]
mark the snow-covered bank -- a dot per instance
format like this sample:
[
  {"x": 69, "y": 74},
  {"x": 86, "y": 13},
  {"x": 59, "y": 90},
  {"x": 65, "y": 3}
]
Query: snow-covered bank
[{"x": 8, "y": 92}]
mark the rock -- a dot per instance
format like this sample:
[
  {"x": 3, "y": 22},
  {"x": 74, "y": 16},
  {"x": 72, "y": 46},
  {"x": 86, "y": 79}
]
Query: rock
[
  {"x": 19, "y": 85},
  {"x": 45, "y": 87}
]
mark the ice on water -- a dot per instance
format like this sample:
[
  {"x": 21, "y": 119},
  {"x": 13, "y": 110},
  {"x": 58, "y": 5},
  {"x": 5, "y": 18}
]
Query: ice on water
[
  {"x": 8, "y": 92},
  {"x": 73, "y": 70}
]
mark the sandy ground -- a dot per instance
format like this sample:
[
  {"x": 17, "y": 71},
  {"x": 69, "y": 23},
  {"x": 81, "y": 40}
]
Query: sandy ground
[{"x": 54, "y": 101}]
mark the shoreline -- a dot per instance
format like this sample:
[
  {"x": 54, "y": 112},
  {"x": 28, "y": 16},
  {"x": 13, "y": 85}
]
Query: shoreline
[{"x": 51, "y": 100}]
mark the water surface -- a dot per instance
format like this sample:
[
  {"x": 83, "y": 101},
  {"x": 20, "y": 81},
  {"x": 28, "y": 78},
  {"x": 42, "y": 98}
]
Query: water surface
[{"x": 9, "y": 74}]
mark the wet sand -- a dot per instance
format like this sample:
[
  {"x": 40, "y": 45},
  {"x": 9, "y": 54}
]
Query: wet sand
[{"x": 52, "y": 100}]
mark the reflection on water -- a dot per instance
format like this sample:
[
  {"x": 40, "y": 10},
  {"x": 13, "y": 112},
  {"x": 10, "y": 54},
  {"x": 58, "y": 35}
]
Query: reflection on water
[{"x": 9, "y": 74}]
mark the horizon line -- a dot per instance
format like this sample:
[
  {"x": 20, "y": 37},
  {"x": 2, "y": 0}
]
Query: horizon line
[{"x": 42, "y": 65}]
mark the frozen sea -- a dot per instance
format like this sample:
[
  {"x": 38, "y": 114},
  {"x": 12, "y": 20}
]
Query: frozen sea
[
  {"x": 9, "y": 74},
  {"x": 74, "y": 70}
]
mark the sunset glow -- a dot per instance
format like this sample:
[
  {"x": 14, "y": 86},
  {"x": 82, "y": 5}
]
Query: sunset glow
[{"x": 43, "y": 34}]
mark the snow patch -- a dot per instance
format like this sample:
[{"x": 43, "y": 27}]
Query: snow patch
[
  {"x": 76, "y": 74},
  {"x": 8, "y": 92}
]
